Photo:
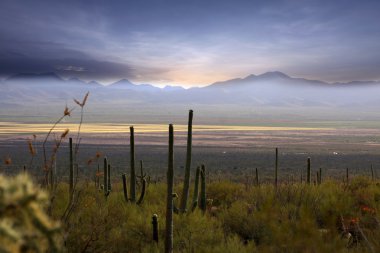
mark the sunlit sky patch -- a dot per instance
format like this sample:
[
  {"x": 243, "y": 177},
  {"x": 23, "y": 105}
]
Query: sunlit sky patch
[{"x": 191, "y": 43}]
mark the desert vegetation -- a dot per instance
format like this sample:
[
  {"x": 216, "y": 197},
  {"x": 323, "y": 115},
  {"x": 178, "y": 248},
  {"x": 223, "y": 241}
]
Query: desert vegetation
[{"x": 134, "y": 211}]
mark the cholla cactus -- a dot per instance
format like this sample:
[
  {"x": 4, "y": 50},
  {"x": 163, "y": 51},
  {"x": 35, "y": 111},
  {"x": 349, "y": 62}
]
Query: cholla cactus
[{"x": 24, "y": 225}]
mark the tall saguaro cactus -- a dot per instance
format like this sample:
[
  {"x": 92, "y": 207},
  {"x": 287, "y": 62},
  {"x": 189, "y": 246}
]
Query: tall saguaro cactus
[
  {"x": 276, "y": 170},
  {"x": 71, "y": 176},
  {"x": 202, "y": 204},
  {"x": 308, "y": 170},
  {"x": 132, "y": 159},
  {"x": 105, "y": 175},
  {"x": 169, "y": 200},
  {"x": 186, "y": 183}
]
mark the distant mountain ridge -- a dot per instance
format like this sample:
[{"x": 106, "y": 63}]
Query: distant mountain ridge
[
  {"x": 125, "y": 83},
  {"x": 268, "y": 89}
]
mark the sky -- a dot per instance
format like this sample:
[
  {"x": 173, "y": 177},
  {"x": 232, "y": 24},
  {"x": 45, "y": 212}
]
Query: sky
[{"x": 190, "y": 43}]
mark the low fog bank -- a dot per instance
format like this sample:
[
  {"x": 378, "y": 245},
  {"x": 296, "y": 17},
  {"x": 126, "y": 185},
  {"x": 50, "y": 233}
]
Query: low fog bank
[{"x": 270, "y": 98}]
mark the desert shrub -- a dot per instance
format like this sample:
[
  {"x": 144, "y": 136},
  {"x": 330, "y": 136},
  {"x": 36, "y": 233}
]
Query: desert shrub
[
  {"x": 293, "y": 218},
  {"x": 225, "y": 193}
]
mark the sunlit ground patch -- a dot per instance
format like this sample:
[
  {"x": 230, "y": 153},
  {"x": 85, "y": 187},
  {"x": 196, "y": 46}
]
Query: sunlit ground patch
[{"x": 29, "y": 128}]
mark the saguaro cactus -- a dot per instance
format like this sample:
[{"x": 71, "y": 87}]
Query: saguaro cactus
[
  {"x": 105, "y": 175},
  {"x": 186, "y": 182},
  {"x": 132, "y": 159},
  {"x": 317, "y": 178},
  {"x": 202, "y": 204},
  {"x": 155, "y": 227},
  {"x": 257, "y": 177},
  {"x": 276, "y": 170},
  {"x": 347, "y": 176},
  {"x": 169, "y": 201},
  {"x": 71, "y": 176},
  {"x": 308, "y": 170},
  {"x": 196, "y": 187},
  {"x": 320, "y": 175},
  {"x": 109, "y": 177}
]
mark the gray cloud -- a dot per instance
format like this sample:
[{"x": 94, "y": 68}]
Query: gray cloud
[{"x": 191, "y": 41}]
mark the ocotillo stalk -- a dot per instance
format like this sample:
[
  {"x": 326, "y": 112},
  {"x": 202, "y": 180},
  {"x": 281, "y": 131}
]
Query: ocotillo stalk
[
  {"x": 308, "y": 170},
  {"x": 202, "y": 204},
  {"x": 109, "y": 177},
  {"x": 257, "y": 177},
  {"x": 155, "y": 227},
  {"x": 125, "y": 187},
  {"x": 105, "y": 175},
  {"x": 276, "y": 170},
  {"x": 196, "y": 187},
  {"x": 372, "y": 174},
  {"x": 71, "y": 176},
  {"x": 347, "y": 175},
  {"x": 133, "y": 172},
  {"x": 186, "y": 182},
  {"x": 169, "y": 201}
]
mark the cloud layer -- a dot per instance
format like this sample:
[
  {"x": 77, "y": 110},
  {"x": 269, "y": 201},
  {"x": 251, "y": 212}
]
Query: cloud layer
[{"x": 191, "y": 42}]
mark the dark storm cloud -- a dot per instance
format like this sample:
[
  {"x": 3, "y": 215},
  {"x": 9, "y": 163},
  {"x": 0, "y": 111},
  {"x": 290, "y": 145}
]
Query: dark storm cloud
[
  {"x": 68, "y": 67},
  {"x": 191, "y": 41}
]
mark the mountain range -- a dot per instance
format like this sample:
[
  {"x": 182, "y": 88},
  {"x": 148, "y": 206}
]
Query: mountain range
[{"x": 269, "y": 89}]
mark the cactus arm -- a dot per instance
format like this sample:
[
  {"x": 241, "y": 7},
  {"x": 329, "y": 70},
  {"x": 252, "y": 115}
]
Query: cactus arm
[
  {"x": 143, "y": 181},
  {"x": 125, "y": 189}
]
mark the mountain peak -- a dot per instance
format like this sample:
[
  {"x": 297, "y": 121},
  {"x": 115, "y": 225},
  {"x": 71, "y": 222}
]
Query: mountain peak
[
  {"x": 251, "y": 76},
  {"x": 94, "y": 83},
  {"x": 122, "y": 83},
  {"x": 273, "y": 74}
]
